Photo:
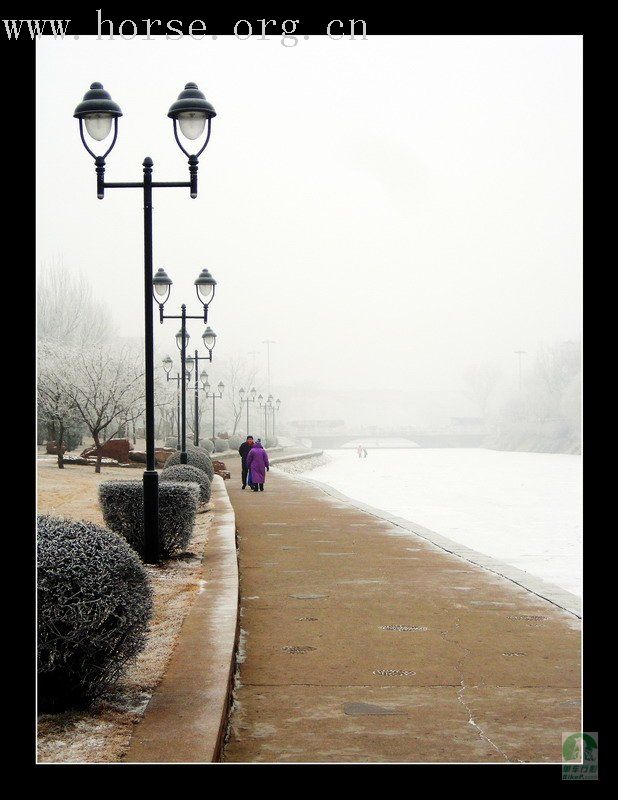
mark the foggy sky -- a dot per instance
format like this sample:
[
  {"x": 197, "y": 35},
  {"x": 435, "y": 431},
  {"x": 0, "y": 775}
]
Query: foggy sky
[{"x": 388, "y": 211}]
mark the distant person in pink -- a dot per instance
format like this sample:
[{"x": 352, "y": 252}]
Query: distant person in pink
[{"x": 258, "y": 464}]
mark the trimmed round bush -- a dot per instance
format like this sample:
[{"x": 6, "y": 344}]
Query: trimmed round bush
[
  {"x": 234, "y": 442},
  {"x": 185, "y": 472},
  {"x": 221, "y": 445},
  {"x": 122, "y": 503},
  {"x": 196, "y": 458},
  {"x": 94, "y": 603},
  {"x": 272, "y": 441},
  {"x": 206, "y": 444}
]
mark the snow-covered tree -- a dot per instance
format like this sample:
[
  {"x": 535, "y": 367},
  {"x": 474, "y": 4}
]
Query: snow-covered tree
[
  {"x": 55, "y": 398},
  {"x": 67, "y": 313},
  {"x": 107, "y": 387}
]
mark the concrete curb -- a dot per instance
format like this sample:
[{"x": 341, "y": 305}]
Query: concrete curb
[
  {"x": 548, "y": 591},
  {"x": 186, "y": 717}
]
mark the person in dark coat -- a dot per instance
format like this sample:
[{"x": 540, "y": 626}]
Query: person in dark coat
[
  {"x": 244, "y": 449},
  {"x": 258, "y": 464}
]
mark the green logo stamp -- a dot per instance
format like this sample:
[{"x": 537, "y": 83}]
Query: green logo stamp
[{"x": 580, "y": 756}]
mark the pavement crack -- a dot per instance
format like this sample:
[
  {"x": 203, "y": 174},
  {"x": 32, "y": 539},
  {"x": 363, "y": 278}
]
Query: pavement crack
[{"x": 462, "y": 690}]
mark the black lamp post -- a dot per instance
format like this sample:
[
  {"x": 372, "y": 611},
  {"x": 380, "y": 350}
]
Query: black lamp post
[
  {"x": 276, "y": 408},
  {"x": 267, "y": 405},
  {"x": 214, "y": 396},
  {"x": 205, "y": 286},
  {"x": 250, "y": 398},
  {"x": 98, "y": 113},
  {"x": 203, "y": 377},
  {"x": 167, "y": 366}
]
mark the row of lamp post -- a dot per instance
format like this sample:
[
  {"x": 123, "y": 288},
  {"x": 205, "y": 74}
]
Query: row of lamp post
[
  {"x": 270, "y": 405},
  {"x": 190, "y": 365},
  {"x": 205, "y": 288},
  {"x": 191, "y": 116}
]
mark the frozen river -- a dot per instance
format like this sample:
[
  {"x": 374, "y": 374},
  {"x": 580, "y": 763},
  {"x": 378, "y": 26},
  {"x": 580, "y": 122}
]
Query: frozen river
[{"x": 522, "y": 508}]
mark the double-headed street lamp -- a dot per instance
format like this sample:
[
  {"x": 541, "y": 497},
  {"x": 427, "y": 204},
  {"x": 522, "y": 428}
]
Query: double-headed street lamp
[
  {"x": 214, "y": 396},
  {"x": 276, "y": 408},
  {"x": 203, "y": 377},
  {"x": 167, "y": 366},
  {"x": 267, "y": 406},
  {"x": 250, "y": 398},
  {"x": 205, "y": 287},
  {"x": 98, "y": 114}
]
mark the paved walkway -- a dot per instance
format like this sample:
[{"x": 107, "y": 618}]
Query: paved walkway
[{"x": 362, "y": 642}]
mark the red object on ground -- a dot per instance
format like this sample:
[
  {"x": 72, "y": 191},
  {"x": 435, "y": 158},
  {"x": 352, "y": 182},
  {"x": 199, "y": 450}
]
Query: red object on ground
[
  {"x": 117, "y": 449},
  {"x": 220, "y": 469}
]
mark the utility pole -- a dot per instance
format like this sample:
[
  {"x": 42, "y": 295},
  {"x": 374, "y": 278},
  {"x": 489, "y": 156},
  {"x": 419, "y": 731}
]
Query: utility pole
[
  {"x": 253, "y": 354},
  {"x": 520, "y": 353},
  {"x": 268, "y": 343}
]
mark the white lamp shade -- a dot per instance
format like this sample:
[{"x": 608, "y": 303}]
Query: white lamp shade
[
  {"x": 98, "y": 125},
  {"x": 192, "y": 123},
  {"x": 179, "y": 339},
  {"x": 209, "y": 337},
  {"x": 205, "y": 291}
]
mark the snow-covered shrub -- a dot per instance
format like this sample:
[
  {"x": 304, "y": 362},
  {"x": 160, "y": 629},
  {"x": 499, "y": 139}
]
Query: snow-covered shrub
[
  {"x": 272, "y": 441},
  {"x": 206, "y": 444},
  {"x": 122, "y": 503},
  {"x": 171, "y": 441},
  {"x": 94, "y": 603},
  {"x": 196, "y": 458},
  {"x": 185, "y": 472},
  {"x": 221, "y": 445},
  {"x": 234, "y": 442}
]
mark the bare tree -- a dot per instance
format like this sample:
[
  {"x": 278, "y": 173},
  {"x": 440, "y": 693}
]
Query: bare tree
[
  {"x": 67, "y": 313},
  {"x": 56, "y": 404},
  {"x": 165, "y": 406},
  {"x": 107, "y": 388},
  {"x": 237, "y": 373}
]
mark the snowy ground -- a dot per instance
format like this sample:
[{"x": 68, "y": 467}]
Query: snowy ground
[{"x": 523, "y": 508}]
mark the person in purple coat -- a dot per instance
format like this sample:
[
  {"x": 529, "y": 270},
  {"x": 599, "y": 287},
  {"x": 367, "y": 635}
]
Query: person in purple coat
[{"x": 257, "y": 462}]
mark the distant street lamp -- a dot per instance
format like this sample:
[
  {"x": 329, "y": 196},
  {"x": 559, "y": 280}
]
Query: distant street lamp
[
  {"x": 267, "y": 406},
  {"x": 167, "y": 366},
  {"x": 98, "y": 114},
  {"x": 276, "y": 408},
  {"x": 250, "y": 398},
  {"x": 214, "y": 396},
  {"x": 203, "y": 377},
  {"x": 205, "y": 284}
]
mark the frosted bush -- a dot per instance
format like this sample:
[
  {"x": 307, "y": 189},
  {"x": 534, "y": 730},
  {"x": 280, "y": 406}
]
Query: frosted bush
[
  {"x": 206, "y": 444},
  {"x": 196, "y": 457},
  {"x": 94, "y": 603},
  {"x": 122, "y": 503},
  {"x": 180, "y": 473}
]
